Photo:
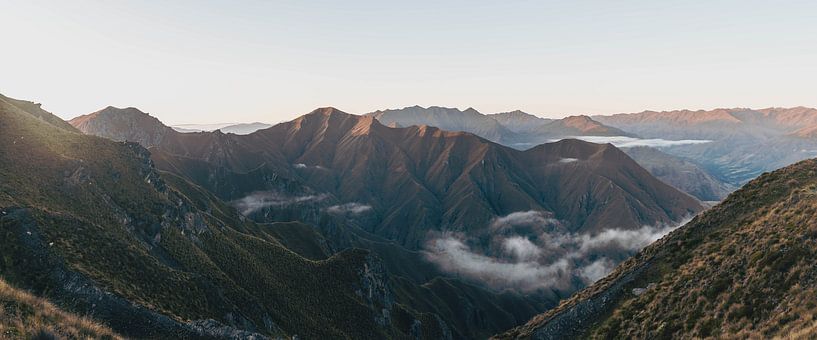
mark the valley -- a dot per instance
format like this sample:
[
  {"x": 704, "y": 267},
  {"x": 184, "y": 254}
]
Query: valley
[{"x": 466, "y": 224}]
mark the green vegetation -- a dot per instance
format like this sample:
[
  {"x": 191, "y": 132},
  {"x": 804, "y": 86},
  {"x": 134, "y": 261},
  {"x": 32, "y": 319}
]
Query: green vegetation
[{"x": 101, "y": 210}]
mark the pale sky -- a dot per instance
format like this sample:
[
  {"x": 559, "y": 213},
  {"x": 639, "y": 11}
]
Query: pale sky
[{"x": 269, "y": 61}]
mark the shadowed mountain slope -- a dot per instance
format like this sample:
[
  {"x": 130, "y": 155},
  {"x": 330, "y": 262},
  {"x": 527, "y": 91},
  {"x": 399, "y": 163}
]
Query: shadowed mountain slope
[
  {"x": 421, "y": 179},
  {"x": 90, "y": 224},
  {"x": 680, "y": 173},
  {"x": 529, "y": 130},
  {"x": 743, "y": 269},
  {"x": 394, "y": 191}
]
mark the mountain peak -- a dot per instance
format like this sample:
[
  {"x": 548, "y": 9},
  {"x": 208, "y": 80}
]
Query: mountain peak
[
  {"x": 128, "y": 124},
  {"x": 327, "y": 111},
  {"x": 579, "y": 125},
  {"x": 578, "y": 118}
]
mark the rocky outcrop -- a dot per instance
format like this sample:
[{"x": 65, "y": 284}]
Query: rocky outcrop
[
  {"x": 375, "y": 291},
  {"x": 73, "y": 291},
  {"x": 573, "y": 322}
]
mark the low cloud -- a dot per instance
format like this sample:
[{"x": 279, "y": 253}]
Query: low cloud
[
  {"x": 454, "y": 256},
  {"x": 629, "y": 142},
  {"x": 529, "y": 251},
  {"x": 523, "y": 218},
  {"x": 597, "y": 270},
  {"x": 353, "y": 208},
  {"x": 261, "y": 200},
  {"x": 623, "y": 239},
  {"x": 568, "y": 160},
  {"x": 304, "y": 166},
  {"x": 521, "y": 248}
]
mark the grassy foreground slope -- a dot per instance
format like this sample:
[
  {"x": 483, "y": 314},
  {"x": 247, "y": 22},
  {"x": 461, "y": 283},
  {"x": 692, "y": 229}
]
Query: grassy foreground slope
[
  {"x": 745, "y": 268},
  {"x": 23, "y": 315},
  {"x": 91, "y": 225}
]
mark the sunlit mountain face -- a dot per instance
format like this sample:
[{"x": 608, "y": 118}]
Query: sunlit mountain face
[{"x": 408, "y": 170}]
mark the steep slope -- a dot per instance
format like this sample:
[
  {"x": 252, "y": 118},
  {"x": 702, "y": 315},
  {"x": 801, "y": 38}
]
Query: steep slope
[
  {"x": 450, "y": 119},
  {"x": 743, "y": 269},
  {"x": 419, "y": 196},
  {"x": 457, "y": 180},
  {"x": 127, "y": 124},
  {"x": 37, "y": 111},
  {"x": 529, "y": 130},
  {"x": 23, "y": 315},
  {"x": 808, "y": 132},
  {"x": 680, "y": 173},
  {"x": 91, "y": 225}
]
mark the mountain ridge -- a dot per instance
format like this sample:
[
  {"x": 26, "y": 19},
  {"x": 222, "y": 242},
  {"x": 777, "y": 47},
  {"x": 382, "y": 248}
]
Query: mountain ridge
[
  {"x": 305, "y": 141},
  {"x": 92, "y": 225},
  {"x": 742, "y": 269}
]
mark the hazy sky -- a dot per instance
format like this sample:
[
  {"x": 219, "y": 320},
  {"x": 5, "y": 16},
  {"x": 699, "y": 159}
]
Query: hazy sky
[{"x": 230, "y": 61}]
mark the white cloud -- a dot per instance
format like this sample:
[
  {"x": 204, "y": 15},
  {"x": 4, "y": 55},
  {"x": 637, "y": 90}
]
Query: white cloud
[
  {"x": 624, "y": 239},
  {"x": 526, "y": 218},
  {"x": 454, "y": 256},
  {"x": 597, "y": 270},
  {"x": 537, "y": 258},
  {"x": 521, "y": 248},
  {"x": 304, "y": 166},
  {"x": 353, "y": 208},
  {"x": 259, "y": 200},
  {"x": 568, "y": 160},
  {"x": 629, "y": 142}
]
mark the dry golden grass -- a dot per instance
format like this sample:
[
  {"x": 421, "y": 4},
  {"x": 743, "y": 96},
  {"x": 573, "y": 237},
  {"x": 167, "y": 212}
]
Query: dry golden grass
[
  {"x": 25, "y": 316},
  {"x": 745, "y": 269}
]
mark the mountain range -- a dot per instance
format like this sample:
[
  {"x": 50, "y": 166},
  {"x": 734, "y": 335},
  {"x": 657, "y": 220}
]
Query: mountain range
[
  {"x": 516, "y": 129},
  {"x": 92, "y": 225},
  {"x": 381, "y": 225},
  {"x": 522, "y": 130},
  {"x": 744, "y": 142},
  {"x": 455, "y": 178},
  {"x": 407, "y": 194}
]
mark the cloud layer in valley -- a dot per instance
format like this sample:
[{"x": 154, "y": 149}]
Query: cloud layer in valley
[
  {"x": 530, "y": 250},
  {"x": 629, "y": 142}
]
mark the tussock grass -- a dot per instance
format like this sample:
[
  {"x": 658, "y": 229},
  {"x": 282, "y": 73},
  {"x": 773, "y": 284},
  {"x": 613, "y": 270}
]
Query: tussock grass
[{"x": 25, "y": 316}]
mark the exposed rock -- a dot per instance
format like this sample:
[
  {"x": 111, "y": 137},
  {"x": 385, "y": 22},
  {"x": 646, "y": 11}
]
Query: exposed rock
[{"x": 374, "y": 289}]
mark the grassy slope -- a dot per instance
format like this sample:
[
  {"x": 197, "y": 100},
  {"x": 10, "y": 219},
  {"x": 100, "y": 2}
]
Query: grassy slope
[
  {"x": 745, "y": 268},
  {"x": 168, "y": 247},
  {"x": 23, "y": 315}
]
